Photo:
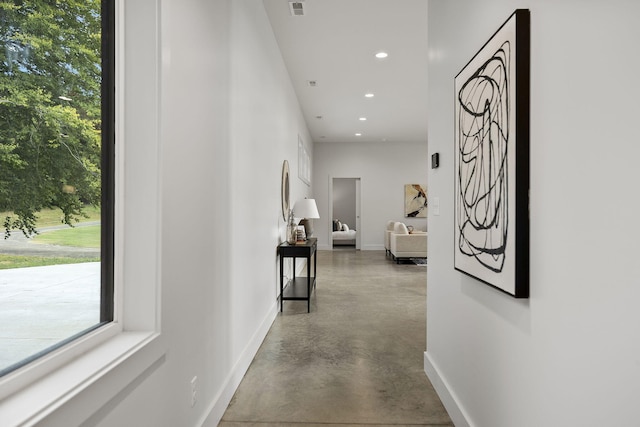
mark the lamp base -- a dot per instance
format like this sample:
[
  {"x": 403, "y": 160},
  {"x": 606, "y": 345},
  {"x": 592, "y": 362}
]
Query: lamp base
[{"x": 308, "y": 226}]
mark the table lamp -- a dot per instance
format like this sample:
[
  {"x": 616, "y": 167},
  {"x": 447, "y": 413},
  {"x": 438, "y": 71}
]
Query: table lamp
[{"x": 307, "y": 210}]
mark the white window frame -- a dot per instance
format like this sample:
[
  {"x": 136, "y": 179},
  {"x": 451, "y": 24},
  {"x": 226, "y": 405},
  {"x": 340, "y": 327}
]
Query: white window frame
[{"x": 72, "y": 383}]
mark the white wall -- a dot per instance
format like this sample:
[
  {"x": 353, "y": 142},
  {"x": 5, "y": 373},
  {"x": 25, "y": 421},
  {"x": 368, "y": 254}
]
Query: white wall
[
  {"x": 570, "y": 354},
  {"x": 384, "y": 169},
  {"x": 229, "y": 118}
]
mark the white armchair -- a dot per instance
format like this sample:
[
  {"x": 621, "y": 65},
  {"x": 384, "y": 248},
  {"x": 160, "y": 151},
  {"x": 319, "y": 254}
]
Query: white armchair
[
  {"x": 387, "y": 237},
  {"x": 407, "y": 245}
]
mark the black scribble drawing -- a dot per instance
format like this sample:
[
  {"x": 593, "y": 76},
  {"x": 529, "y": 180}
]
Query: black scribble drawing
[{"x": 482, "y": 215}]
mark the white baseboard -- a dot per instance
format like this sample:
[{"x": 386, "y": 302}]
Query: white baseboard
[
  {"x": 219, "y": 405},
  {"x": 447, "y": 396}
]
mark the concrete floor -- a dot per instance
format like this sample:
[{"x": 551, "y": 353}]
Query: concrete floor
[{"x": 356, "y": 359}]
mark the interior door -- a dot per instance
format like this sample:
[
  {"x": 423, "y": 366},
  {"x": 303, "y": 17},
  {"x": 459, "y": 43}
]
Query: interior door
[
  {"x": 358, "y": 222},
  {"x": 344, "y": 204}
]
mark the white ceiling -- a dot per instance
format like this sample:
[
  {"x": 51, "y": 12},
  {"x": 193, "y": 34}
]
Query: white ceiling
[{"x": 334, "y": 44}]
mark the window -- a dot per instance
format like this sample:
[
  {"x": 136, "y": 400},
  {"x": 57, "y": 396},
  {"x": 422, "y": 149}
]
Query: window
[{"x": 56, "y": 174}]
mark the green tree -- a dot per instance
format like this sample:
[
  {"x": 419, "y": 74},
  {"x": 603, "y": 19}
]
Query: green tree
[{"x": 50, "y": 113}]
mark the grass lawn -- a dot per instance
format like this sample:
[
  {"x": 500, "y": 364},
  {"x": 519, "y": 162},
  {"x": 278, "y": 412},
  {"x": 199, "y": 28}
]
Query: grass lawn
[
  {"x": 49, "y": 217},
  {"x": 80, "y": 237},
  {"x": 19, "y": 261}
]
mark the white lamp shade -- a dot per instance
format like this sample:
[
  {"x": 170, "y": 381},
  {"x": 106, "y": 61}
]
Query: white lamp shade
[{"x": 306, "y": 208}]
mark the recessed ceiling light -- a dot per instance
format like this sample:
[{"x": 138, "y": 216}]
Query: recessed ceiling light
[
  {"x": 362, "y": 119},
  {"x": 381, "y": 55},
  {"x": 368, "y": 95},
  {"x": 358, "y": 134}
]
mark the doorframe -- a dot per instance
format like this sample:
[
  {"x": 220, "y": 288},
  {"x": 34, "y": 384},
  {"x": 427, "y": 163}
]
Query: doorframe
[{"x": 358, "y": 226}]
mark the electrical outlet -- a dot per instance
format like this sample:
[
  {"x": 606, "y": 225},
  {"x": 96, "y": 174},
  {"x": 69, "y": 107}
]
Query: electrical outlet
[{"x": 194, "y": 391}]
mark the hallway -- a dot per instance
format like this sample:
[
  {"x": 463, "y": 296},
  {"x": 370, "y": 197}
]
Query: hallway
[{"x": 356, "y": 359}]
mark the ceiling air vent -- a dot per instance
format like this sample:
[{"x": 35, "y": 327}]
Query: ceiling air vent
[{"x": 296, "y": 8}]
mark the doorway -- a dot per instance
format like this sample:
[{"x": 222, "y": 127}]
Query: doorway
[{"x": 344, "y": 205}]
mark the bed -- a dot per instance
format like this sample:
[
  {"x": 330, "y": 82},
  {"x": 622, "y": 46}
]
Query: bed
[{"x": 342, "y": 235}]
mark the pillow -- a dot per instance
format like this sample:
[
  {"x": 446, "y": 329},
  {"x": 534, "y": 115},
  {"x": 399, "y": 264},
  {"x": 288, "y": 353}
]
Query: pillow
[
  {"x": 390, "y": 225},
  {"x": 345, "y": 227},
  {"x": 400, "y": 228},
  {"x": 339, "y": 225},
  {"x": 335, "y": 225}
]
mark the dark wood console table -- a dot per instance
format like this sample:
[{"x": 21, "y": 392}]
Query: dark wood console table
[{"x": 298, "y": 288}]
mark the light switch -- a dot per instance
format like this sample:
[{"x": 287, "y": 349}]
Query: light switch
[{"x": 435, "y": 206}]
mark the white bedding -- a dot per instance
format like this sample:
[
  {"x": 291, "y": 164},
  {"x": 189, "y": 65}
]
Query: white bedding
[{"x": 344, "y": 235}]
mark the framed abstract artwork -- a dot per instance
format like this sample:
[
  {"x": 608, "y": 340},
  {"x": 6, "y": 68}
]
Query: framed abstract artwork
[
  {"x": 304, "y": 163},
  {"x": 415, "y": 201},
  {"x": 284, "y": 190},
  {"x": 491, "y": 160}
]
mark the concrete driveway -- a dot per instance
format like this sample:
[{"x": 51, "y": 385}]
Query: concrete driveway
[{"x": 40, "y": 306}]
